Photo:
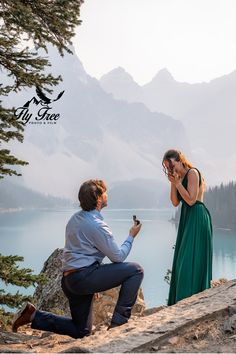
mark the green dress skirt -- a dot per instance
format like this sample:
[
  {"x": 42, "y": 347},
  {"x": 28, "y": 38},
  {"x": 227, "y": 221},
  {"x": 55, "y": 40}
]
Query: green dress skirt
[{"x": 192, "y": 264}]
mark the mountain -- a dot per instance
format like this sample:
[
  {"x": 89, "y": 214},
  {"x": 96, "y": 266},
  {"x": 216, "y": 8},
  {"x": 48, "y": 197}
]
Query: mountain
[
  {"x": 207, "y": 111},
  {"x": 95, "y": 136},
  {"x": 139, "y": 193},
  {"x": 14, "y": 195},
  {"x": 121, "y": 85}
]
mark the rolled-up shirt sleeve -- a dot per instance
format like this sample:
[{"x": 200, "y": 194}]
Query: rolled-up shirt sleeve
[{"x": 104, "y": 241}]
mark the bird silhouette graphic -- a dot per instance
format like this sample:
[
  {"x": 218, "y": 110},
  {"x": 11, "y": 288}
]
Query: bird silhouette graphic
[{"x": 44, "y": 99}]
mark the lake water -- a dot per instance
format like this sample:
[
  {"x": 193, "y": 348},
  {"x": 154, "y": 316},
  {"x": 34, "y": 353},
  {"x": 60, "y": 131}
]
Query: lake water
[{"x": 36, "y": 234}]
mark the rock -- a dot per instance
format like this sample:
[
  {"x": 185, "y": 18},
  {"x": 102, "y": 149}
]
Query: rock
[
  {"x": 50, "y": 297},
  {"x": 218, "y": 282},
  {"x": 197, "y": 321},
  {"x": 174, "y": 340},
  {"x": 75, "y": 350},
  {"x": 9, "y": 350},
  {"x": 203, "y": 313},
  {"x": 46, "y": 334},
  {"x": 13, "y": 338},
  {"x": 152, "y": 310},
  {"x": 230, "y": 324},
  {"x": 232, "y": 310},
  {"x": 154, "y": 349}
]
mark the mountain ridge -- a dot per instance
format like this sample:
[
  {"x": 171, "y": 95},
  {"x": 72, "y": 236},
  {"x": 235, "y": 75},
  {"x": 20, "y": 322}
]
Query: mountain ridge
[
  {"x": 96, "y": 135},
  {"x": 206, "y": 110}
]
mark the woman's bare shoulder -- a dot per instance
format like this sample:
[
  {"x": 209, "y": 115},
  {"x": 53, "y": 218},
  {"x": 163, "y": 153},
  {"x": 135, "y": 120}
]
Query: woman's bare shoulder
[{"x": 193, "y": 172}]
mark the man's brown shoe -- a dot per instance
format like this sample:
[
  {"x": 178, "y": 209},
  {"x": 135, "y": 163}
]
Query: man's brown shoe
[{"x": 23, "y": 316}]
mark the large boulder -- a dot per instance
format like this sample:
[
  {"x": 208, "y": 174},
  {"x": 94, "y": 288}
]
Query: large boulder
[{"x": 50, "y": 297}]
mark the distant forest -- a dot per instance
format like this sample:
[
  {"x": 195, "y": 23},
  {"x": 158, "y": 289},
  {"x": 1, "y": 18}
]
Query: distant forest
[
  {"x": 17, "y": 196},
  {"x": 221, "y": 202}
]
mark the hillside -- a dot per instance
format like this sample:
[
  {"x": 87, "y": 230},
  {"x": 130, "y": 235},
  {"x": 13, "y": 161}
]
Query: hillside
[
  {"x": 96, "y": 136},
  {"x": 16, "y": 196},
  {"x": 206, "y": 110}
]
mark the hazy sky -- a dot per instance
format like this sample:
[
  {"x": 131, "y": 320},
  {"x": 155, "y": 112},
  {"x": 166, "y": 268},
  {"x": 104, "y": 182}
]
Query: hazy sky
[{"x": 194, "y": 39}]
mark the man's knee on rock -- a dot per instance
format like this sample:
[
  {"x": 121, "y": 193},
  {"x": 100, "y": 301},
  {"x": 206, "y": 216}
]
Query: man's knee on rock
[{"x": 137, "y": 268}]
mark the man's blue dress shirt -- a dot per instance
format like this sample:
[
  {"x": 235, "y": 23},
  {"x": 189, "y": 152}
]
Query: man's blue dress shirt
[{"x": 89, "y": 239}]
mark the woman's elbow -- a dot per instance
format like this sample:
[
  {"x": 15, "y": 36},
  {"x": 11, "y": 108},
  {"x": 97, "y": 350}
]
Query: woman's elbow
[
  {"x": 191, "y": 202},
  {"x": 175, "y": 203}
]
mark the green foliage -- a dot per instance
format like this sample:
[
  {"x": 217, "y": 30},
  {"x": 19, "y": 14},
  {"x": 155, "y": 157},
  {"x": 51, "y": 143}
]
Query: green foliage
[
  {"x": 10, "y": 129},
  {"x": 167, "y": 277},
  {"x": 22, "y": 22},
  {"x": 221, "y": 202},
  {"x": 10, "y": 273},
  {"x": 13, "y": 300},
  {"x": 5, "y": 319}
]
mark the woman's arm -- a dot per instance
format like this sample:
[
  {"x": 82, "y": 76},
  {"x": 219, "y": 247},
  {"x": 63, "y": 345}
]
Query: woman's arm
[
  {"x": 173, "y": 190},
  {"x": 173, "y": 195},
  {"x": 190, "y": 194}
]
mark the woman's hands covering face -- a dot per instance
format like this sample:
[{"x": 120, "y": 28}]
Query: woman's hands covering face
[{"x": 174, "y": 178}]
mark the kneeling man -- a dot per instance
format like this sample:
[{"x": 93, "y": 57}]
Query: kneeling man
[{"x": 88, "y": 240}]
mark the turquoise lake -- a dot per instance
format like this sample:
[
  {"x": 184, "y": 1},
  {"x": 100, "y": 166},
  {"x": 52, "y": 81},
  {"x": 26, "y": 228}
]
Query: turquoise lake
[{"x": 36, "y": 234}]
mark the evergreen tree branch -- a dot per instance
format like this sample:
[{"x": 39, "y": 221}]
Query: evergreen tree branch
[
  {"x": 41, "y": 22},
  {"x": 11, "y": 274},
  {"x": 13, "y": 300}
]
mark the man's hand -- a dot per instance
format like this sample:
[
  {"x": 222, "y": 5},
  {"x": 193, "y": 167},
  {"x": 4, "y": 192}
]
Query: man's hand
[{"x": 135, "y": 230}]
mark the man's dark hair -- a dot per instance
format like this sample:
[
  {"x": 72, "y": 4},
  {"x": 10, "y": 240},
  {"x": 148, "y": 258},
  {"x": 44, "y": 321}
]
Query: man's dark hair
[{"x": 89, "y": 192}]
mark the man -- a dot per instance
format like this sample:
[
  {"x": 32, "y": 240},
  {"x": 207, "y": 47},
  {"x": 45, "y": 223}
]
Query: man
[{"x": 88, "y": 241}]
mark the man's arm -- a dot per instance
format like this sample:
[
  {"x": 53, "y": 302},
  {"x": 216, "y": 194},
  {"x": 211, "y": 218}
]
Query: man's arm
[{"x": 105, "y": 242}]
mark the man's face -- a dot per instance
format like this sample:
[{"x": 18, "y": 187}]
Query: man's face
[{"x": 104, "y": 199}]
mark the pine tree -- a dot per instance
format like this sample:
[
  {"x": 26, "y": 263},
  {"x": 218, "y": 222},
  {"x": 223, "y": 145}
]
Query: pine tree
[
  {"x": 221, "y": 202},
  {"x": 10, "y": 273},
  {"x": 38, "y": 22},
  {"x": 41, "y": 22}
]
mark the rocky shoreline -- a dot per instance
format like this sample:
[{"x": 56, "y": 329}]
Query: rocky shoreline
[{"x": 205, "y": 322}]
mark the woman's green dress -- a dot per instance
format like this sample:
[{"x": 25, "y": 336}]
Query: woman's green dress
[{"x": 192, "y": 264}]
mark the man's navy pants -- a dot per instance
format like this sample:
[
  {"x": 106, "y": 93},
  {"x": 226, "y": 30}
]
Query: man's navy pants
[{"x": 80, "y": 286}]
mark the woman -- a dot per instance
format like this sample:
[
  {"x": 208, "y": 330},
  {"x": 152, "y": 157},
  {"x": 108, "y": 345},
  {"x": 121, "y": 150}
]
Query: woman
[{"x": 192, "y": 264}]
